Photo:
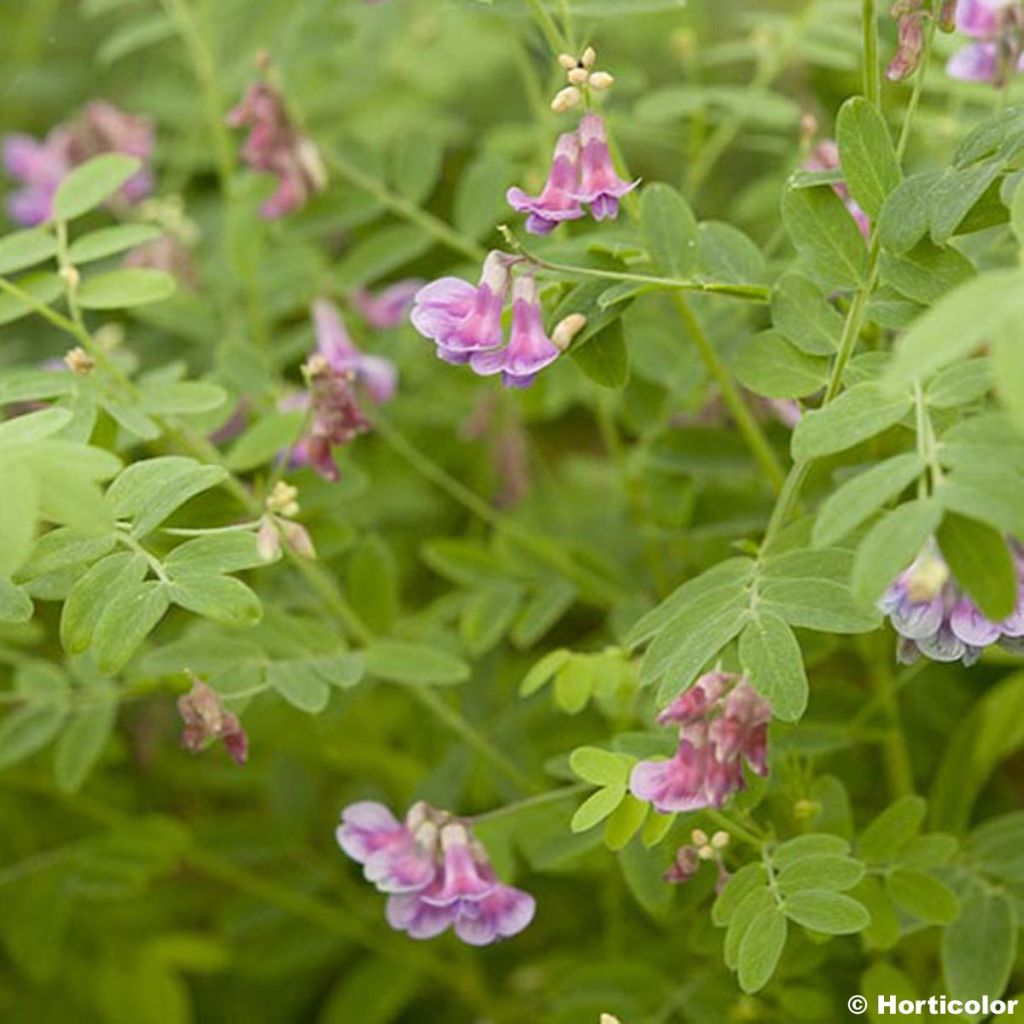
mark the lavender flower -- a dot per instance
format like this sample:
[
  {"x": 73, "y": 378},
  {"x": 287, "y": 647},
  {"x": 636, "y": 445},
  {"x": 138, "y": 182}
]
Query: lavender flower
[
  {"x": 722, "y": 723},
  {"x": 435, "y": 872},
  {"x": 336, "y": 346},
  {"x": 557, "y": 201},
  {"x": 276, "y": 146},
  {"x": 998, "y": 52},
  {"x": 934, "y": 617},
  {"x": 388, "y": 308},
  {"x": 600, "y": 187},
  {"x": 206, "y": 721}
]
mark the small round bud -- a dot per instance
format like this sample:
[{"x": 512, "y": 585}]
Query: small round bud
[
  {"x": 601, "y": 80},
  {"x": 720, "y": 840},
  {"x": 808, "y": 126},
  {"x": 315, "y": 366},
  {"x": 589, "y": 57},
  {"x": 282, "y": 499},
  {"x": 578, "y": 76},
  {"x": 607, "y": 1018},
  {"x": 567, "y": 61},
  {"x": 77, "y": 360},
  {"x": 268, "y": 540},
  {"x": 567, "y": 329},
  {"x": 699, "y": 837},
  {"x": 71, "y": 277},
  {"x": 705, "y": 853},
  {"x": 566, "y": 99},
  {"x": 804, "y": 809},
  {"x": 297, "y": 537},
  {"x": 109, "y": 336}
]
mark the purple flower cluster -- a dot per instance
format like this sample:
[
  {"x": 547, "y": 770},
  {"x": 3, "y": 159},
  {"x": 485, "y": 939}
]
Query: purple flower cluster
[
  {"x": 40, "y": 165},
  {"x": 435, "y": 873},
  {"x": 997, "y": 26},
  {"x": 466, "y": 323},
  {"x": 722, "y": 722},
  {"x": 581, "y": 174},
  {"x": 934, "y": 617},
  {"x": 275, "y": 146}
]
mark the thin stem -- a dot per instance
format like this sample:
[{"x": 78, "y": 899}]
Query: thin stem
[
  {"x": 748, "y": 426},
  {"x": 546, "y": 23},
  {"x": 154, "y": 563},
  {"x": 918, "y": 88},
  {"x": 897, "y": 757},
  {"x": 872, "y": 74},
  {"x": 552, "y": 796},
  {"x": 730, "y": 826}
]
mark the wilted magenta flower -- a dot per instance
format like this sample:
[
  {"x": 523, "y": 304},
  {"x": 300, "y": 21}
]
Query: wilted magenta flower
[
  {"x": 275, "y": 145},
  {"x": 40, "y": 165},
  {"x": 825, "y": 157},
  {"x": 435, "y": 872},
  {"x": 911, "y": 17},
  {"x": 600, "y": 187},
  {"x": 388, "y": 308},
  {"x": 998, "y": 28},
  {"x": 723, "y": 722},
  {"x": 529, "y": 348},
  {"x": 336, "y": 346},
  {"x": 934, "y": 617},
  {"x": 462, "y": 319},
  {"x": 206, "y": 721},
  {"x": 557, "y": 201}
]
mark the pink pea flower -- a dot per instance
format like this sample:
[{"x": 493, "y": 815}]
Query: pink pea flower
[
  {"x": 462, "y": 319},
  {"x": 912, "y": 18},
  {"x": 388, "y": 308},
  {"x": 104, "y": 128},
  {"x": 435, "y": 872},
  {"x": 825, "y": 157},
  {"x": 997, "y": 26},
  {"x": 336, "y": 346},
  {"x": 599, "y": 187},
  {"x": 557, "y": 201},
  {"x": 722, "y": 725},
  {"x": 39, "y": 166},
  {"x": 274, "y": 145},
  {"x": 529, "y": 349},
  {"x": 206, "y": 721}
]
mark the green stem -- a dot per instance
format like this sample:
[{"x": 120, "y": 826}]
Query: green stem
[
  {"x": 727, "y": 824},
  {"x": 897, "y": 757},
  {"x": 546, "y": 23},
  {"x": 872, "y": 74},
  {"x": 748, "y": 426},
  {"x": 552, "y": 796},
  {"x": 915, "y": 95}
]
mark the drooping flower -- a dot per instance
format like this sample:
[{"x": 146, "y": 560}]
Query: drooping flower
[
  {"x": 722, "y": 722},
  {"x": 276, "y": 146},
  {"x": 336, "y": 346},
  {"x": 600, "y": 187},
  {"x": 41, "y": 165},
  {"x": 997, "y": 26},
  {"x": 912, "y": 18},
  {"x": 388, "y": 308},
  {"x": 206, "y": 721},
  {"x": 825, "y": 157},
  {"x": 435, "y": 872},
  {"x": 529, "y": 348},
  {"x": 934, "y": 617},
  {"x": 462, "y": 319},
  {"x": 557, "y": 201}
]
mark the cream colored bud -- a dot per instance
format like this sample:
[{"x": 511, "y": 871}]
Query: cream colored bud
[
  {"x": 589, "y": 57},
  {"x": 312, "y": 163},
  {"x": 808, "y": 126},
  {"x": 705, "y": 852},
  {"x": 578, "y": 76},
  {"x": 77, "y": 360},
  {"x": 315, "y": 366},
  {"x": 565, "y": 99},
  {"x": 567, "y": 61},
  {"x": 607, "y": 1018},
  {"x": 268, "y": 540},
  {"x": 297, "y": 537},
  {"x": 109, "y": 336},
  {"x": 567, "y": 329},
  {"x": 71, "y": 277},
  {"x": 282, "y": 499},
  {"x": 699, "y": 837},
  {"x": 601, "y": 80},
  {"x": 720, "y": 840}
]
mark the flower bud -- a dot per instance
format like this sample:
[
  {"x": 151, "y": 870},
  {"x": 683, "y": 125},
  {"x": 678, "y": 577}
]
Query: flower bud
[
  {"x": 578, "y": 76},
  {"x": 601, "y": 80},
  {"x": 589, "y": 57},
  {"x": 947, "y": 15},
  {"x": 567, "y": 61},
  {"x": 71, "y": 277},
  {"x": 699, "y": 837},
  {"x": 315, "y": 366},
  {"x": 282, "y": 499},
  {"x": 297, "y": 537},
  {"x": 720, "y": 840},
  {"x": 567, "y": 329},
  {"x": 77, "y": 360},
  {"x": 566, "y": 99},
  {"x": 268, "y": 540}
]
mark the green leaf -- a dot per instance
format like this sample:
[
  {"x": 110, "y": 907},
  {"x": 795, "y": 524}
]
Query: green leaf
[
  {"x": 107, "y": 241},
  {"x": 891, "y": 545},
  {"x": 771, "y": 657},
  {"x": 906, "y": 214},
  {"x": 125, "y": 622},
  {"x": 867, "y": 154},
  {"x": 761, "y": 948},
  {"x": 963, "y": 383},
  {"x": 856, "y": 500},
  {"x": 300, "y": 684},
  {"x": 272, "y": 434},
  {"x": 377, "y": 255},
  {"x": 543, "y": 671},
  {"x": 829, "y": 912},
  {"x": 541, "y": 611},
  {"x": 42, "y": 285},
  {"x": 801, "y": 313},
  {"x": 18, "y": 512},
  {"x": 820, "y": 872},
  {"x": 597, "y": 807},
  {"x": 33, "y": 426},
  {"x": 982, "y": 564},
  {"x": 93, "y": 593},
  {"x": 927, "y": 272},
  {"x": 856, "y": 415},
  {"x": 416, "y": 160},
  {"x": 125, "y": 289},
  {"x": 15, "y": 604},
  {"x": 24, "y": 249},
  {"x": 953, "y": 195},
  {"x": 600, "y": 767},
  {"x": 624, "y": 822},
  {"x": 979, "y": 948},
  {"x": 829, "y": 243},
  {"x": 214, "y": 553},
  {"x": 605, "y": 357},
  {"x": 815, "y": 844},
  {"x": 82, "y": 742},
  {"x": 575, "y": 683},
  {"x": 892, "y": 830},
  {"x": 28, "y": 729},
  {"x": 669, "y": 230},
  {"x": 221, "y": 598},
  {"x": 769, "y": 365},
  {"x": 922, "y": 896},
  {"x": 89, "y": 184},
  {"x": 373, "y": 583},
  {"x": 414, "y": 664},
  {"x": 1008, "y": 367},
  {"x": 727, "y": 254},
  {"x": 181, "y": 397},
  {"x": 956, "y": 325},
  {"x": 750, "y": 878}
]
